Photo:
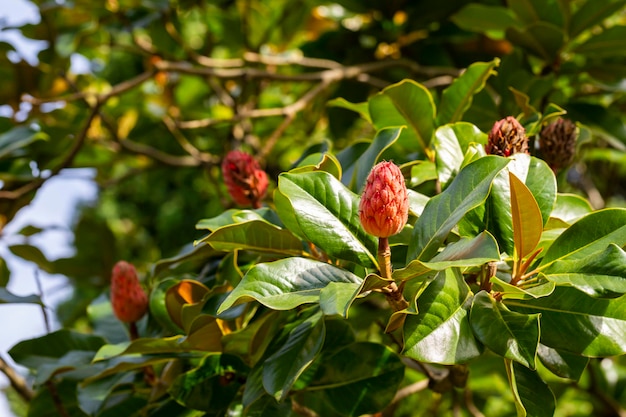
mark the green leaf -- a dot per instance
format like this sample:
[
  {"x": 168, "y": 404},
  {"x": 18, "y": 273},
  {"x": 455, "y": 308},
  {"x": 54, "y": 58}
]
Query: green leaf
[
  {"x": 572, "y": 321},
  {"x": 7, "y": 297},
  {"x": 384, "y": 139},
  {"x": 34, "y": 353},
  {"x": 32, "y": 254},
  {"x": 527, "y": 221},
  {"x": 337, "y": 297},
  {"x": 189, "y": 253},
  {"x": 531, "y": 11},
  {"x": 541, "y": 39},
  {"x": 601, "y": 274},
  {"x": 533, "y": 396},
  {"x": 440, "y": 332},
  {"x": 360, "y": 108},
  {"x": 44, "y": 404},
  {"x": 570, "y": 207},
  {"x": 231, "y": 216},
  {"x": 287, "y": 283},
  {"x": 361, "y": 378},
  {"x": 212, "y": 385},
  {"x": 5, "y": 273},
  {"x": 396, "y": 106},
  {"x": 563, "y": 364},
  {"x": 319, "y": 162},
  {"x": 482, "y": 18},
  {"x": 282, "y": 369},
  {"x": 254, "y": 235},
  {"x": 321, "y": 209},
  {"x": 592, "y": 13},
  {"x": 611, "y": 42},
  {"x": 590, "y": 234},
  {"x": 512, "y": 335},
  {"x": 457, "y": 98},
  {"x": 541, "y": 288},
  {"x": 468, "y": 190},
  {"x": 18, "y": 138},
  {"x": 464, "y": 253}
]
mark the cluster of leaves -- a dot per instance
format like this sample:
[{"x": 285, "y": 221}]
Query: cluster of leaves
[{"x": 510, "y": 277}]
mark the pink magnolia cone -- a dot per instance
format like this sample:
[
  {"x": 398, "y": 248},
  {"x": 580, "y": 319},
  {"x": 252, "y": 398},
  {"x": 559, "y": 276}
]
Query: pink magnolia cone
[
  {"x": 129, "y": 300},
  {"x": 245, "y": 180},
  {"x": 384, "y": 205}
]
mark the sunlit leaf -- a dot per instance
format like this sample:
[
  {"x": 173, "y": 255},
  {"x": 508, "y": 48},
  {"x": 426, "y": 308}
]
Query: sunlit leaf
[
  {"x": 397, "y": 105},
  {"x": 287, "y": 283},
  {"x": 527, "y": 222},
  {"x": 458, "y": 97},
  {"x": 316, "y": 206},
  {"x": 468, "y": 190},
  {"x": 440, "y": 332}
]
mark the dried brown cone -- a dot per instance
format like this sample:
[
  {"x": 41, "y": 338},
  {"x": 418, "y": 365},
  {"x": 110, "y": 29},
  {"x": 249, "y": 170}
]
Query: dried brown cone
[
  {"x": 507, "y": 137},
  {"x": 557, "y": 143}
]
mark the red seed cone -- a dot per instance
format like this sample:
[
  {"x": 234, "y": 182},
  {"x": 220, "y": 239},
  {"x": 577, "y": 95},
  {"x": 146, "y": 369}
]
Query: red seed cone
[
  {"x": 129, "y": 300},
  {"x": 245, "y": 180},
  {"x": 384, "y": 205},
  {"x": 507, "y": 137}
]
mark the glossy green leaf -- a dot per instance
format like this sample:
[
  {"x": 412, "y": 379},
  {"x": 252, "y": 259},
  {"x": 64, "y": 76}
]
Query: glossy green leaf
[
  {"x": 512, "y": 335},
  {"x": 231, "y": 216},
  {"x": 39, "y": 351},
  {"x": 526, "y": 216},
  {"x": 337, "y": 297},
  {"x": 321, "y": 209},
  {"x": 533, "y": 396},
  {"x": 319, "y": 162},
  {"x": 384, "y": 139},
  {"x": 458, "y": 97},
  {"x": 540, "y": 288},
  {"x": 601, "y": 274},
  {"x": 538, "y": 178},
  {"x": 254, "y": 235},
  {"x": 440, "y": 332},
  {"x": 590, "y": 234},
  {"x": 18, "y": 138},
  {"x": 92, "y": 397},
  {"x": 468, "y": 190},
  {"x": 409, "y": 104},
  {"x": 361, "y": 378},
  {"x": 8, "y": 297},
  {"x": 563, "y": 364},
  {"x": 592, "y": 13},
  {"x": 44, "y": 403},
  {"x": 349, "y": 159},
  {"x": 570, "y": 207},
  {"x": 287, "y": 283},
  {"x": 483, "y": 18},
  {"x": 572, "y": 321},
  {"x": 212, "y": 385},
  {"x": 464, "y": 253},
  {"x": 449, "y": 156},
  {"x": 421, "y": 172},
  {"x": 268, "y": 407},
  {"x": 610, "y": 42},
  {"x": 282, "y": 369}
]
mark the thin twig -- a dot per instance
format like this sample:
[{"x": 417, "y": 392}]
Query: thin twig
[
  {"x": 116, "y": 90},
  {"x": 56, "y": 399},
  {"x": 16, "y": 380},
  {"x": 186, "y": 145},
  {"x": 410, "y": 390}
]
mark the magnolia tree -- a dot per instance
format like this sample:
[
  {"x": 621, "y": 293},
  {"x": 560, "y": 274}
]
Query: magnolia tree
[{"x": 438, "y": 264}]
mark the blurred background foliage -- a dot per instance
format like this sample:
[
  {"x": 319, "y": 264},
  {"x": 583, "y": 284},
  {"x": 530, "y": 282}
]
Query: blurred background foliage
[{"x": 165, "y": 88}]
